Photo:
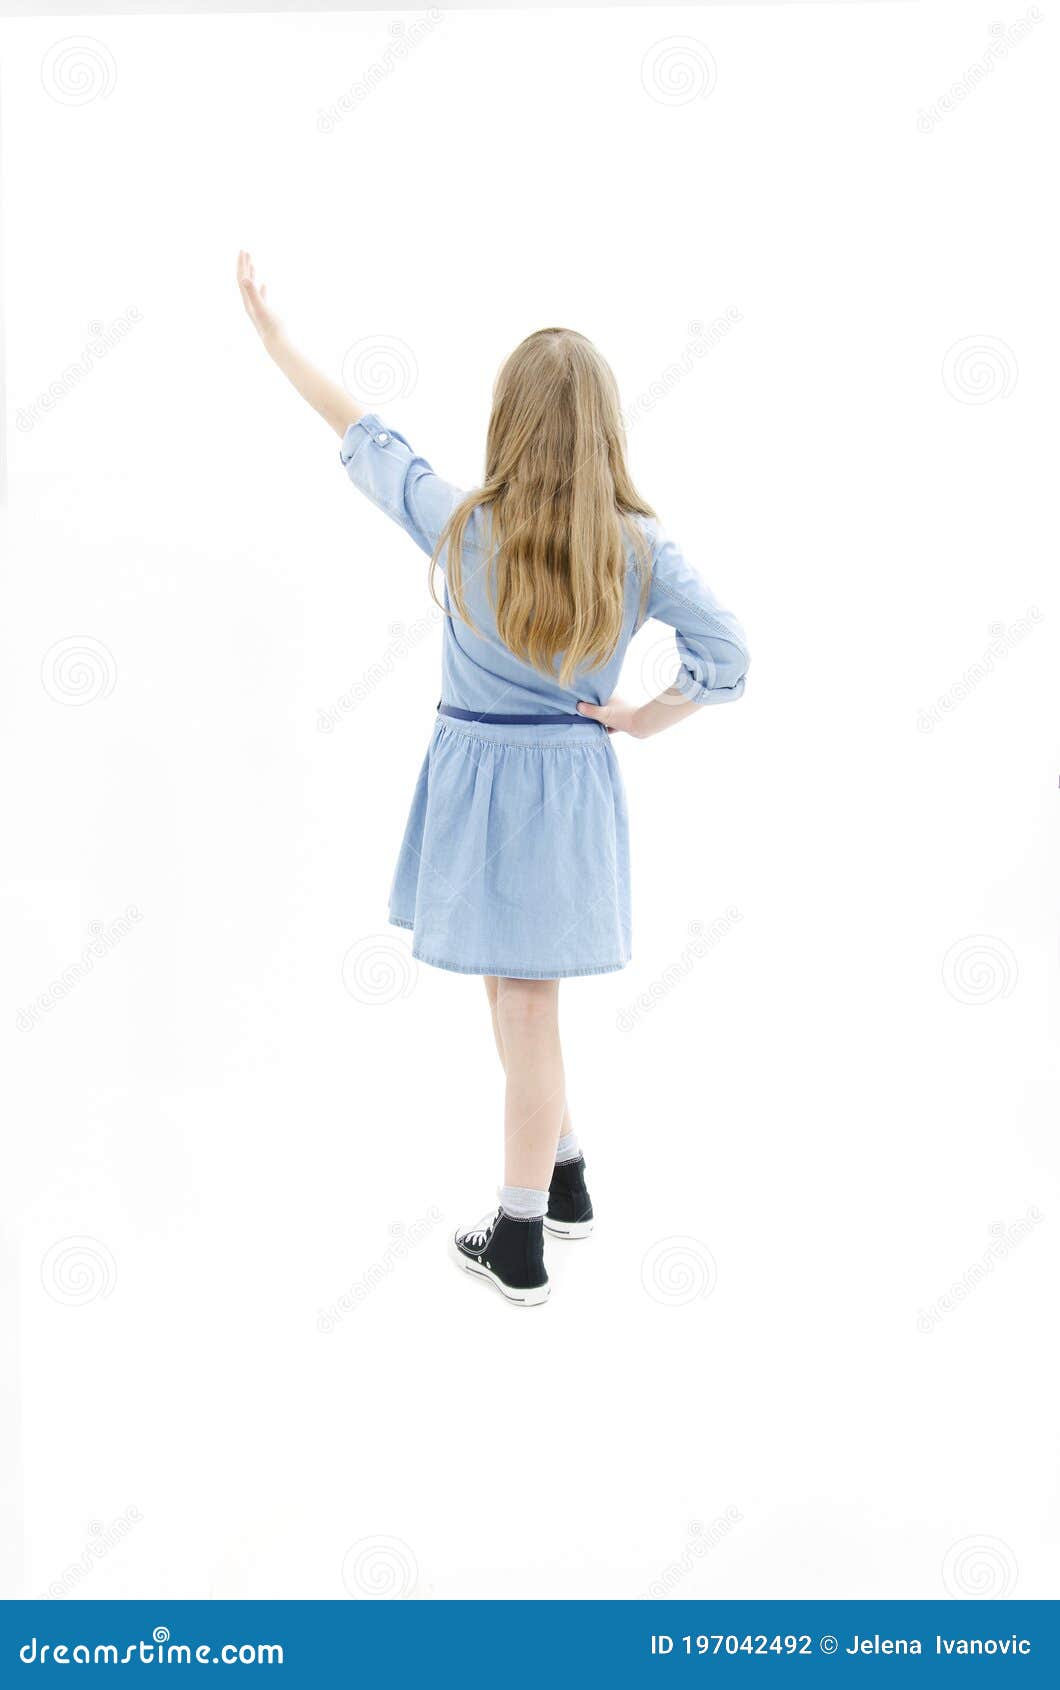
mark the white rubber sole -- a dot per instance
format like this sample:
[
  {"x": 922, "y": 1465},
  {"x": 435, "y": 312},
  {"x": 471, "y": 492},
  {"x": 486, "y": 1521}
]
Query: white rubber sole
[
  {"x": 519, "y": 1299},
  {"x": 568, "y": 1229}
]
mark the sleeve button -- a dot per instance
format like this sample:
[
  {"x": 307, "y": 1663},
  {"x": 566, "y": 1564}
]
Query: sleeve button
[{"x": 382, "y": 439}]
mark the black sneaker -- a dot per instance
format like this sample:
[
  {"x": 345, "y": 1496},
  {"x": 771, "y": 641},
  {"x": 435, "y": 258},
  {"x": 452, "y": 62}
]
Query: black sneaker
[
  {"x": 570, "y": 1208},
  {"x": 510, "y": 1253}
]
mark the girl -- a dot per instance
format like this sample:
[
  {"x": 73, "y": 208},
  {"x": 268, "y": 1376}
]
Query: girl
[{"x": 515, "y": 862}]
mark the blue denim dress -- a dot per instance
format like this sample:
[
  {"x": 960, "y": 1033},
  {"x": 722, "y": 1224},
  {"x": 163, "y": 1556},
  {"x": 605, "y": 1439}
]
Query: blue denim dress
[{"x": 515, "y": 860}]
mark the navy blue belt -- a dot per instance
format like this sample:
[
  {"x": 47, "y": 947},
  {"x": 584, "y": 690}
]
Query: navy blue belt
[{"x": 556, "y": 719}]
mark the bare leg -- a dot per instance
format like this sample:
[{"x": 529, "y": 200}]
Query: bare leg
[
  {"x": 492, "y": 984},
  {"x": 527, "y": 1018}
]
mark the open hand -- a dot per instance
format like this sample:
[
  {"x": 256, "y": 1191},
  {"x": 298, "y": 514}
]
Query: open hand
[
  {"x": 255, "y": 304},
  {"x": 617, "y": 716}
]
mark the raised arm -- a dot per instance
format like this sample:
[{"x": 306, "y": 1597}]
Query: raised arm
[
  {"x": 378, "y": 460},
  {"x": 327, "y": 398}
]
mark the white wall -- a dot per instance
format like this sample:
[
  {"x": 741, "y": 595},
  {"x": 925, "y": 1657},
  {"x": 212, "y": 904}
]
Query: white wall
[{"x": 839, "y": 1101}]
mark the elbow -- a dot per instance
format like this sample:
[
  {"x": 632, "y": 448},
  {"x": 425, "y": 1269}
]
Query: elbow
[
  {"x": 717, "y": 681},
  {"x": 731, "y": 674},
  {"x": 697, "y": 693}
]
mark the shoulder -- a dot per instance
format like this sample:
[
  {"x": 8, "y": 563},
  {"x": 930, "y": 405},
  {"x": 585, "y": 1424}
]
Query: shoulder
[
  {"x": 644, "y": 539},
  {"x": 479, "y": 526},
  {"x": 649, "y": 526}
]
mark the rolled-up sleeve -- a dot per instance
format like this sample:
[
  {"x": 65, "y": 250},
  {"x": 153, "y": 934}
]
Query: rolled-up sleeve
[
  {"x": 711, "y": 644},
  {"x": 381, "y": 463}
]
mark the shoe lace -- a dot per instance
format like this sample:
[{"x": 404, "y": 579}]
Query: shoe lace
[{"x": 477, "y": 1235}]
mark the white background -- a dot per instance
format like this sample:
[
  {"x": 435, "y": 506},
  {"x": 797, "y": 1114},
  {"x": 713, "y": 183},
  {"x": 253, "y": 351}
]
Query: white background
[{"x": 838, "y": 1111}]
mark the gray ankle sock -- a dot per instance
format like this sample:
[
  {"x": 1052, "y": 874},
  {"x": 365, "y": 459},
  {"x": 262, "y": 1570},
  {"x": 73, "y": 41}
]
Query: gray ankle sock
[
  {"x": 523, "y": 1203},
  {"x": 568, "y": 1149}
]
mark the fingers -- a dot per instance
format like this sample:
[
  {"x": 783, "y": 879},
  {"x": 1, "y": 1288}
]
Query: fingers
[
  {"x": 245, "y": 274},
  {"x": 253, "y": 299},
  {"x": 613, "y": 715},
  {"x": 603, "y": 713}
]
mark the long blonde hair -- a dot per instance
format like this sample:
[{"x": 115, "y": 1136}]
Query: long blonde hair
[{"x": 560, "y": 504}]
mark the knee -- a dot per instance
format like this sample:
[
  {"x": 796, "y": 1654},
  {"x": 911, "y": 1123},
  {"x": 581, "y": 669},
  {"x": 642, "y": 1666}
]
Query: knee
[{"x": 526, "y": 1003}]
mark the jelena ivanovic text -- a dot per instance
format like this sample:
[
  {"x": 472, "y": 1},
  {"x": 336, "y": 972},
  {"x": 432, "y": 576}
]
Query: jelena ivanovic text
[{"x": 943, "y": 1646}]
